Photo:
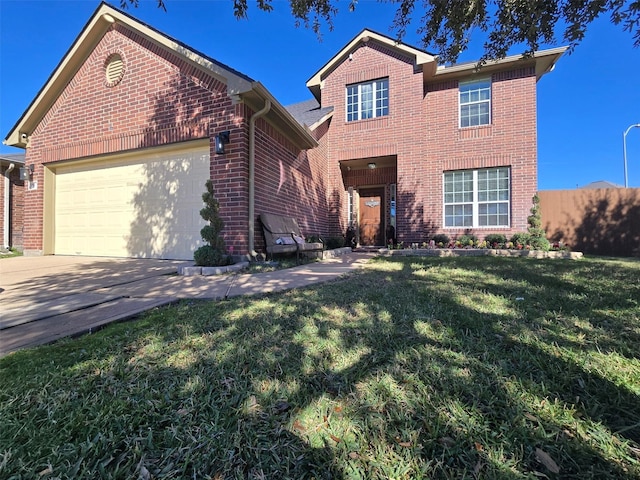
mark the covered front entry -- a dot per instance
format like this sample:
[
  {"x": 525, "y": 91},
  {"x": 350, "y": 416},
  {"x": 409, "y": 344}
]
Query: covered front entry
[
  {"x": 144, "y": 205},
  {"x": 371, "y": 216}
]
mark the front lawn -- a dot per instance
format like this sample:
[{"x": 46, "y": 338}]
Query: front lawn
[{"x": 412, "y": 368}]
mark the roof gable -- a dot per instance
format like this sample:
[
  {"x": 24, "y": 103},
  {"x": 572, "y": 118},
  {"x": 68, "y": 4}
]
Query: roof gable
[
  {"x": 238, "y": 84},
  {"x": 421, "y": 58}
]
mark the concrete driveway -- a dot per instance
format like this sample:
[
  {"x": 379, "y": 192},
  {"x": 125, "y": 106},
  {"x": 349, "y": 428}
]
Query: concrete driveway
[
  {"x": 46, "y": 298},
  {"x": 27, "y": 281},
  {"x": 43, "y": 299}
]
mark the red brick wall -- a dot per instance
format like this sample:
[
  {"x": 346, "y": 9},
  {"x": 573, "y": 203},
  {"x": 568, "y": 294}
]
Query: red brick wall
[
  {"x": 400, "y": 134},
  {"x": 422, "y": 133},
  {"x": 16, "y": 211},
  {"x": 510, "y": 140},
  {"x": 160, "y": 100},
  {"x": 16, "y": 207},
  {"x": 289, "y": 182},
  {"x": 163, "y": 100}
]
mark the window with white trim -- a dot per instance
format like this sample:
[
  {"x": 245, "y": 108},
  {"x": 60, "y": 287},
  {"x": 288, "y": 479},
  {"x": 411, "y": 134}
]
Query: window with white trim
[
  {"x": 368, "y": 100},
  {"x": 475, "y": 103},
  {"x": 477, "y": 198}
]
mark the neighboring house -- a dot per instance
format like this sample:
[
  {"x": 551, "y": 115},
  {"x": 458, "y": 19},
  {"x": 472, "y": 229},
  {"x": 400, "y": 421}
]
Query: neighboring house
[
  {"x": 11, "y": 200},
  {"x": 131, "y": 123},
  {"x": 601, "y": 184}
]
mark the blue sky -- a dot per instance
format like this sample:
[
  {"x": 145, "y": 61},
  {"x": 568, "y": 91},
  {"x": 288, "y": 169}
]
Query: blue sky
[{"x": 584, "y": 105}]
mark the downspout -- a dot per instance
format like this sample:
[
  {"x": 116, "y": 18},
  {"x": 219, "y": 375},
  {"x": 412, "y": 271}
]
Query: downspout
[
  {"x": 252, "y": 172},
  {"x": 7, "y": 199}
]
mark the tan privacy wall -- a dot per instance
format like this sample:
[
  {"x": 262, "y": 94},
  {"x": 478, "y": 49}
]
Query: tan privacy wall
[
  {"x": 600, "y": 221},
  {"x": 145, "y": 206}
]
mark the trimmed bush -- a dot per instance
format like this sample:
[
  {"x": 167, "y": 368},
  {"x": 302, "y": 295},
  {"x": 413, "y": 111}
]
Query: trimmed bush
[
  {"x": 521, "y": 238},
  {"x": 214, "y": 254},
  {"x": 334, "y": 242},
  {"x": 495, "y": 240},
  {"x": 208, "y": 256},
  {"x": 538, "y": 235},
  {"x": 441, "y": 240},
  {"x": 540, "y": 243},
  {"x": 467, "y": 240}
]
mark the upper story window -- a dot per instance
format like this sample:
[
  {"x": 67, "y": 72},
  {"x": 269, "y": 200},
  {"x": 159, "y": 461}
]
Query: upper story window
[
  {"x": 475, "y": 103},
  {"x": 368, "y": 100},
  {"x": 477, "y": 198}
]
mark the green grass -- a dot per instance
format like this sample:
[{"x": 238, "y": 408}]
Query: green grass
[
  {"x": 281, "y": 262},
  {"x": 452, "y": 368},
  {"x": 9, "y": 253}
]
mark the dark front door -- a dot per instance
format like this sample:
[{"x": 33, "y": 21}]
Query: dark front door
[{"x": 370, "y": 221}]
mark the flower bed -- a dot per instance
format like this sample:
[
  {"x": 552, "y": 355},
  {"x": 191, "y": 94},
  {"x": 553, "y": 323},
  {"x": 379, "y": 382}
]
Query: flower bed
[{"x": 480, "y": 252}]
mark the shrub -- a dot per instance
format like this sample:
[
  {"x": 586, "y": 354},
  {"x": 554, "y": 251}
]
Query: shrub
[
  {"x": 538, "y": 239},
  {"x": 495, "y": 240},
  {"x": 213, "y": 254},
  {"x": 540, "y": 243},
  {"x": 521, "y": 238},
  {"x": 467, "y": 240},
  {"x": 208, "y": 256},
  {"x": 334, "y": 242},
  {"x": 441, "y": 240}
]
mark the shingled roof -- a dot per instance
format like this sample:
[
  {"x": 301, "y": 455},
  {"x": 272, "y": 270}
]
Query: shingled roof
[{"x": 309, "y": 113}]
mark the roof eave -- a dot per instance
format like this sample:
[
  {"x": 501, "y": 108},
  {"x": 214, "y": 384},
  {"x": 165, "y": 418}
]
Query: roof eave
[
  {"x": 544, "y": 61},
  {"x": 8, "y": 159}
]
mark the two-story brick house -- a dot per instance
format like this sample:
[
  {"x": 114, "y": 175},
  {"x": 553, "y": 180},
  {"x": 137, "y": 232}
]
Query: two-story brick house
[
  {"x": 417, "y": 149},
  {"x": 130, "y": 125}
]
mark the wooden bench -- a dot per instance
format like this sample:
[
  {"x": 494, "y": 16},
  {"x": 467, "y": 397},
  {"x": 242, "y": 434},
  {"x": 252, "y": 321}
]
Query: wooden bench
[{"x": 282, "y": 235}]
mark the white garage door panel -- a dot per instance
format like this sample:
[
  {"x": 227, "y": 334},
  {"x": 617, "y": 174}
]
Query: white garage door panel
[{"x": 145, "y": 207}]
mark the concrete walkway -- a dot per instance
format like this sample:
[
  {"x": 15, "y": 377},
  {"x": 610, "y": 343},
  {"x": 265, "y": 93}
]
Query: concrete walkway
[{"x": 43, "y": 299}]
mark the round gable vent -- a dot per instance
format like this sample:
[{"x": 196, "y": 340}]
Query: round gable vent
[{"x": 114, "y": 69}]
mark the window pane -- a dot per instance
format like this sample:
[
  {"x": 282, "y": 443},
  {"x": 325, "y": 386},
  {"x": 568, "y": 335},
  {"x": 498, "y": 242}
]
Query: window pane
[
  {"x": 458, "y": 215},
  {"x": 368, "y": 100},
  {"x": 493, "y": 214},
  {"x": 491, "y": 204},
  {"x": 382, "y": 98},
  {"x": 352, "y": 103},
  {"x": 475, "y": 103}
]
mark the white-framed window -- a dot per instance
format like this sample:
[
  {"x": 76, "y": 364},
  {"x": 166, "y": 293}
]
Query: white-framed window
[
  {"x": 477, "y": 198},
  {"x": 368, "y": 100},
  {"x": 475, "y": 103}
]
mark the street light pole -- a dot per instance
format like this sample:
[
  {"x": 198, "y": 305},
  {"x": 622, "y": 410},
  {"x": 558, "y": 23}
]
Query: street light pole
[{"x": 624, "y": 152}]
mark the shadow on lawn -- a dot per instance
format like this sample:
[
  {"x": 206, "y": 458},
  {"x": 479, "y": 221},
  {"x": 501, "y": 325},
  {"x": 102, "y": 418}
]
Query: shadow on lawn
[{"x": 383, "y": 375}]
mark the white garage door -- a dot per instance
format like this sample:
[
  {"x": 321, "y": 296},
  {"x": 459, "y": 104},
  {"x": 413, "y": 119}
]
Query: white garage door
[{"x": 146, "y": 207}]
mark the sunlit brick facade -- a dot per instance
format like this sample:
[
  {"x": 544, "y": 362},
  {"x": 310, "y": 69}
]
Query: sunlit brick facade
[{"x": 392, "y": 145}]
